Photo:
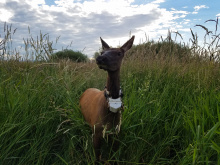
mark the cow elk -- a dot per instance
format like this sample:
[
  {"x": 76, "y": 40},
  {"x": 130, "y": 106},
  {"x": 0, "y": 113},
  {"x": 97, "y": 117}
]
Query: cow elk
[{"x": 102, "y": 109}]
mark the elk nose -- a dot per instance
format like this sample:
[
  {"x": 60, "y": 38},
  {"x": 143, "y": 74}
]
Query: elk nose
[{"x": 100, "y": 59}]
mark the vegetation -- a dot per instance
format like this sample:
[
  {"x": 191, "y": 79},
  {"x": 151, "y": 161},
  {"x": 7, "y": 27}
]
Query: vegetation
[
  {"x": 96, "y": 54},
  {"x": 171, "y": 115},
  {"x": 69, "y": 54}
]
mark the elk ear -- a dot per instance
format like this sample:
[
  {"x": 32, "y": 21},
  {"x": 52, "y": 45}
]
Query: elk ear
[
  {"x": 128, "y": 44},
  {"x": 104, "y": 44}
]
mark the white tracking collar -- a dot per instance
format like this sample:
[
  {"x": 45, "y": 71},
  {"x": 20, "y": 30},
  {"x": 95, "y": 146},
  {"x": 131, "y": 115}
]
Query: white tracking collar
[{"x": 114, "y": 104}]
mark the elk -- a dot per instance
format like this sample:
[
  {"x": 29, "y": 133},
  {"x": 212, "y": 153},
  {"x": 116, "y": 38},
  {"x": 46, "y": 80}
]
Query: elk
[{"x": 102, "y": 109}]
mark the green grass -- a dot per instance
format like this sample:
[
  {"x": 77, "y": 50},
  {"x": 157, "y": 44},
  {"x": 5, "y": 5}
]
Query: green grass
[
  {"x": 35, "y": 102},
  {"x": 171, "y": 116},
  {"x": 173, "y": 112}
]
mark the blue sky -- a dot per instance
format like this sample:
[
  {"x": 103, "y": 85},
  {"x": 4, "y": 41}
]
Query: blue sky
[
  {"x": 82, "y": 22},
  {"x": 50, "y": 2}
]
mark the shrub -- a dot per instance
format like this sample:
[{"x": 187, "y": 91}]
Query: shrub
[
  {"x": 69, "y": 54},
  {"x": 96, "y": 54}
]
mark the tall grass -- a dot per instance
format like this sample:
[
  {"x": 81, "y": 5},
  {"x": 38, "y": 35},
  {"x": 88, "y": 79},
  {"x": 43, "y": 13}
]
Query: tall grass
[
  {"x": 6, "y": 46},
  {"x": 36, "y": 102},
  {"x": 39, "y": 48},
  {"x": 171, "y": 115}
]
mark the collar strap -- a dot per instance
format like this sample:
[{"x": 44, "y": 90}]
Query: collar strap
[{"x": 107, "y": 93}]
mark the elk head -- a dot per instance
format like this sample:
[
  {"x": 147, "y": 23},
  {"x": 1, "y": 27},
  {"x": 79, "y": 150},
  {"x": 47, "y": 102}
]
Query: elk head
[{"x": 111, "y": 58}]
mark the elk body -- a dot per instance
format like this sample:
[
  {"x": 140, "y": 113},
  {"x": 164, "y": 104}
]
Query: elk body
[{"x": 95, "y": 103}]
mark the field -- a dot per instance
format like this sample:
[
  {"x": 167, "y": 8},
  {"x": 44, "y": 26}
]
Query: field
[{"x": 171, "y": 116}]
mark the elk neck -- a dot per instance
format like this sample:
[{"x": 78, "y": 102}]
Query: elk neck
[{"x": 113, "y": 83}]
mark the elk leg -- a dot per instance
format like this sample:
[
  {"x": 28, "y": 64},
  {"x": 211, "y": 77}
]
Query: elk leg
[
  {"x": 114, "y": 143},
  {"x": 97, "y": 144}
]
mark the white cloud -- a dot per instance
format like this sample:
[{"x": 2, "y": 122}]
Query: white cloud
[
  {"x": 83, "y": 22},
  {"x": 2, "y": 1},
  {"x": 197, "y": 8},
  {"x": 186, "y": 21},
  {"x": 195, "y": 12},
  {"x": 34, "y": 2},
  {"x": 158, "y": 1},
  {"x": 5, "y": 15},
  {"x": 218, "y": 15}
]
